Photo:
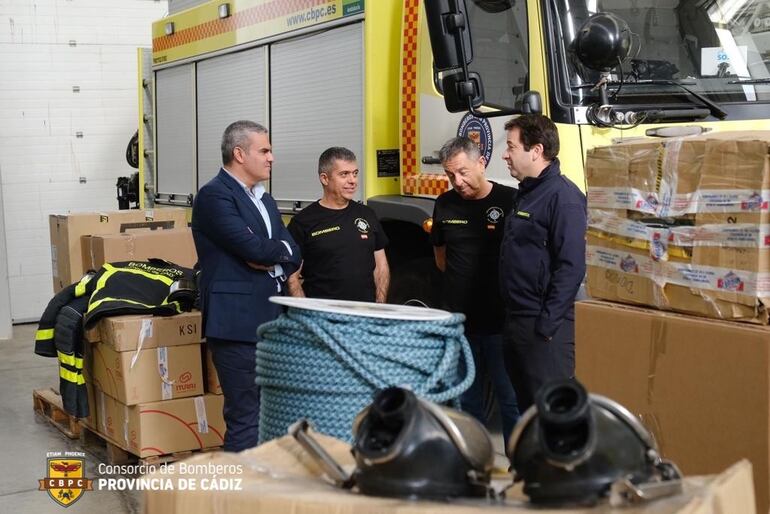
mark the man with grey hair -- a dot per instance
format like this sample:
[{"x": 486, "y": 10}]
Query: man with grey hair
[
  {"x": 245, "y": 254},
  {"x": 467, "y": 230},
  {"x": 342, "y": 241}
]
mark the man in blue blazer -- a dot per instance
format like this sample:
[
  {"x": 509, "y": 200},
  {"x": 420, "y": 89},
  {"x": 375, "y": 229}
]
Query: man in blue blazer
[{"x": 245, "y": 255}]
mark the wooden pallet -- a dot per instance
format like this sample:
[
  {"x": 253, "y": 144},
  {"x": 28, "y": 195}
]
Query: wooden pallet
[
  {"x": 117, "y": 454},
  {"x": 48, "y": 403}
]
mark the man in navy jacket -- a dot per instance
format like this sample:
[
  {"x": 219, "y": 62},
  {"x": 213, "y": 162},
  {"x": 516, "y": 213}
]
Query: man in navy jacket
[
  {"x": 542, "y": 259},
  {"x": 245, "y": 254}
]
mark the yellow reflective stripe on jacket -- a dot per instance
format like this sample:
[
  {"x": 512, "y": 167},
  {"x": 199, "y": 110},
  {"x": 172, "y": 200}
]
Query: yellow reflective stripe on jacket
[
  {"x": 71, "y": 376},
  {"x": 97, "y": 303},
  {"x": 112, "y": 270},
  {"x": 152, "y": 276},
  {"x": 43, "y": 334},
  {"x": 107, "y": 274},
  {"x": 71, "y": 360},
  {"x": 80, "y": 289}
]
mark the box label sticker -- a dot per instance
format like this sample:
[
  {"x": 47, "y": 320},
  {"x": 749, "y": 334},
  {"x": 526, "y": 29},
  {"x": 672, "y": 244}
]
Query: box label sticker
[
  {"x": 200, "y": 413},
  {"x": 166, "y": 385},
  {"x": 54, "y": 261},
  {"x": 125, "y": 424}
]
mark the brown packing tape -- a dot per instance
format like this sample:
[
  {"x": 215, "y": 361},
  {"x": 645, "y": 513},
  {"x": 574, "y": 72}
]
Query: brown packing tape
[
  {"x": 89, "y": 241},
  {"x": 147, "y": 225},
  {"x": 131, "y": 246},
  {"x": 652, "y": 424},
  {"x": 658, "y": 338}
]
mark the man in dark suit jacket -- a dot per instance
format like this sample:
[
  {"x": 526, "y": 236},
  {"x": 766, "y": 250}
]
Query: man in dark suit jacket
[{"x": 245, "y": 254}]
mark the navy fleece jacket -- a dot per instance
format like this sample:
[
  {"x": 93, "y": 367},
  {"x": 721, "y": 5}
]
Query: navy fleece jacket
[{"x": 542, "y": 256}]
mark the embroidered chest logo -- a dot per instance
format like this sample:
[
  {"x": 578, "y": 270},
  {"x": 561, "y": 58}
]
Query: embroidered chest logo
[
  {"x": 363, "y": 227},
  {"x": 494, "y": 214}
]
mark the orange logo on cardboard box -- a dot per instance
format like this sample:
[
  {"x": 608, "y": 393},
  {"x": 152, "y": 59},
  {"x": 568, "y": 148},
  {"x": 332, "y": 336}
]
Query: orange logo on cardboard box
[
  {"x": 65, "y": 480},
  {"x": 185, "y": 377}
]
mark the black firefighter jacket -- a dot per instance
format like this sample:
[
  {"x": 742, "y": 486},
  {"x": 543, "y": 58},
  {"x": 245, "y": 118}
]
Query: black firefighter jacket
[{"x": 131, "y": 287}]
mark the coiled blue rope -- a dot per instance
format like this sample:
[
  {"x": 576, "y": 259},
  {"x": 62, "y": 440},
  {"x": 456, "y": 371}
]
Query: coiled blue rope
[{"x": 325, "y": 366}]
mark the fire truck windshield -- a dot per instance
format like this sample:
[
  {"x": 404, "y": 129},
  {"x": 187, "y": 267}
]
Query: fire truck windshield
[{"x": 718, "y": 48}]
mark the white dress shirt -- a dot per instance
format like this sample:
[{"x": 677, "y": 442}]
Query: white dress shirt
[{"x": 255, "y": 194}]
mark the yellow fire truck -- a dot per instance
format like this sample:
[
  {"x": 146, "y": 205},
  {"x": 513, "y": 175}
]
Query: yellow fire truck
[{"x": 362, "y": 74}]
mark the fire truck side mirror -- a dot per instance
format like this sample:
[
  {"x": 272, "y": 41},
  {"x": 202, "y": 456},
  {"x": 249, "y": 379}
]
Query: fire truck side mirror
[
  {"x": 458, "y": 90},
  {"x": 531, "y": 103},
  {"x": 450, "y": 36}
]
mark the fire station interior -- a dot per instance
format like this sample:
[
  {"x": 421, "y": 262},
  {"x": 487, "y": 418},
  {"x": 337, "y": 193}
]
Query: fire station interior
[{"x": 132, "y": 260}]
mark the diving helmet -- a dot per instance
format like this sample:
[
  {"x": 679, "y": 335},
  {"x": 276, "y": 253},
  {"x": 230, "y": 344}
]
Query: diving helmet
[
  {"x": 575, "y": 448},
  {"x": 405, "y": 446}
]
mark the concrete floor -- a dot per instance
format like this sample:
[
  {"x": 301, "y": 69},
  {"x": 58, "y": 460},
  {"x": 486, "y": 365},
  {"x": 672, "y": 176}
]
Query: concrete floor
[{"x": 26, "y": 437}]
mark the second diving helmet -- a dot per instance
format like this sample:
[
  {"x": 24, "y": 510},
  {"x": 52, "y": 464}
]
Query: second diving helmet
[{"x": 575, "y": 448}]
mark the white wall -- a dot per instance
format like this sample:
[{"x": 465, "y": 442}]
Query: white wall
[
  {"x": 46, "y": 48},
  {"x": 6, "y": 330}
]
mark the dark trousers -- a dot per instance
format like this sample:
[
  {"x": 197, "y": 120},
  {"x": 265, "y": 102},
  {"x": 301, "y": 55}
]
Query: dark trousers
[
  {"x": 236, "y": 364},
  {"x": 532, "y": 361},
  {"x": 488, "y": 357}
]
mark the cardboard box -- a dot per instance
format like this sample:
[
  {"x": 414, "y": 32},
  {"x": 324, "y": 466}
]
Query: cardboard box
[
  {"x": 619, "y": 272},
  {"x": 161, "y": 373},
  {"x": 683, "y": 224},
  {"x": 279, "y": 477},
  {"x": 92, "y": 335},
  {"x": 212, "y": 379},
  {"x": 161, "y": 428},
  {"x": 174, "y": 245},
  {"x": 701, "y": 386},
  {"x": 123, "y": 333},
  {"x": 67, "y": 229}
]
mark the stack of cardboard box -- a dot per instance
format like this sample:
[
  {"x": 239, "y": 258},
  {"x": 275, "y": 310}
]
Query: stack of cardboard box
[
  {"x": 682, "y": 225},
  {"x": 86, "y": 240},
  {"x": 149, "y": 388},
  {"x": 144, "y": 374}
]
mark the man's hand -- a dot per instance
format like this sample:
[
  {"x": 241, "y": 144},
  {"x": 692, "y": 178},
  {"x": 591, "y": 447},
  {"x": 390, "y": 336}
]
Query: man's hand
[{"x": 294, "y": 283}]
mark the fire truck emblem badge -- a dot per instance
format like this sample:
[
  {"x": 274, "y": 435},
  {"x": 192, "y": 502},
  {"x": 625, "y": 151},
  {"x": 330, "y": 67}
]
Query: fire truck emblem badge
[{"x": 479, "y": 131}]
